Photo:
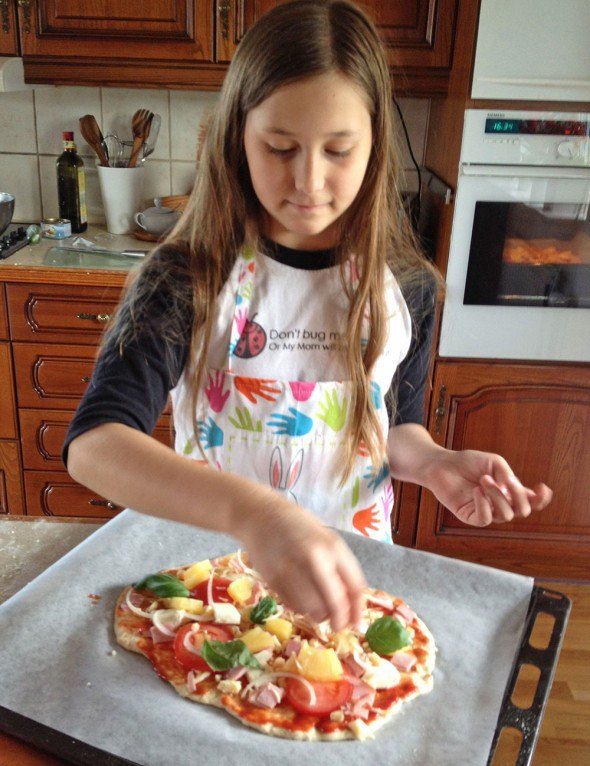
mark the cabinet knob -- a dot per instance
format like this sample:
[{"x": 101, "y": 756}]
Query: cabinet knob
[
  {"x": 441, "y": 411},
  {"x": 102, "y": 318}
]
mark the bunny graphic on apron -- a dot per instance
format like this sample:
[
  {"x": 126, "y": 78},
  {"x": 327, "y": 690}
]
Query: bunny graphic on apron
[{"x": 289, "y": 434}]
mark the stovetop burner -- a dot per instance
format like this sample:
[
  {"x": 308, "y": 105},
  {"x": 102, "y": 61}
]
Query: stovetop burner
[{"x": 13, "y": 239}]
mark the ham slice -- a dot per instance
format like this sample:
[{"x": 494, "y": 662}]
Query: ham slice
[
  {"x": 382, "y": 601},
  {"x": 403, "y": 661},
  {"x": 234, "y": 674},
  {"x": 292, "y": 647},
  {"x": 405, "y": 612},
  {"x": 158, "y": 637},
  {"x": 267, "y": 696},
  {"x": 353, "y": 666}
]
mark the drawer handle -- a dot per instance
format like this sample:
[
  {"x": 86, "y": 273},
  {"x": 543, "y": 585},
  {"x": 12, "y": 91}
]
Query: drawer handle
[
  {"x": 102, "y": 318},
  {"x": 86, "y": 379},
  {"x": 441, "y": 411},
  {"x": 106, "y": 503}
]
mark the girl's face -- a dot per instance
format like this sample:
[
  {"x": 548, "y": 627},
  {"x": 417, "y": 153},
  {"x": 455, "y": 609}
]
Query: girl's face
[{"x": 308, "y": 146}]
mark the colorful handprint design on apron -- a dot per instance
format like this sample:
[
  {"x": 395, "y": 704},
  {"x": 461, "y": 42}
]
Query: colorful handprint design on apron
[{"x": 288, "y": 434}]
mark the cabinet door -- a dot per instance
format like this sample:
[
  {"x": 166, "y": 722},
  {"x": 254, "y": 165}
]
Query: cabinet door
[
  {"x": 418, "y": 36},
  {"x": 11, "y": 491},
  {"x": 114, "y": 41},
  {"x": 55, "y": 494},
  {"x": 52, "y": 375},
  {"x": 60, "y": 314},
  {"x": 3, "y": 315},
  {"x": 8, "y": 29},
  {"x": 43, "y": 433},
  {"x": 538, "y": 418},
  {"x": 7, "y": 402}
]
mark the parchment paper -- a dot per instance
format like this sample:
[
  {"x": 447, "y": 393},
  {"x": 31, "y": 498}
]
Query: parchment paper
[{"x": 57, "y": 666}]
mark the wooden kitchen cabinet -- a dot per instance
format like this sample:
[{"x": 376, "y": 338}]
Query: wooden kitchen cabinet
[
  {"x": 537, "y": 416},
  {"x": 53, "y": 330},
  {"x": 188, "y": 43},
  {"x": 8, "y": 28}
]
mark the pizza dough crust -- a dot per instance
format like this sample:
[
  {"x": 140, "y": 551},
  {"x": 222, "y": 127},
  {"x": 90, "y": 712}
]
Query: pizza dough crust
[{"x": 131, "y": 632}]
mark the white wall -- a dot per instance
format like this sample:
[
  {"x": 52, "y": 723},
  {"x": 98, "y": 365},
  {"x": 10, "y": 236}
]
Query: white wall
[{"x": 32, "y": 121}]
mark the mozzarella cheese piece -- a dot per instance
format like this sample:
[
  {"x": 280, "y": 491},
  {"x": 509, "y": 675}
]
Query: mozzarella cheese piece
[
  {"x": 229, "y": 687},
  {"x": 382, "y": 675},
  {"x": 226, "y": 614}
]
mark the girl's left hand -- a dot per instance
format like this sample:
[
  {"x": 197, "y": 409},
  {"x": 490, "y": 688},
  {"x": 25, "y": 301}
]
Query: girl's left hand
[{"x": 480, "y": 488}]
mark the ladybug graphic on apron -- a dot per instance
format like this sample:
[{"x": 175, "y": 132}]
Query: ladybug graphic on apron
[{"x": 252, "y": 340}]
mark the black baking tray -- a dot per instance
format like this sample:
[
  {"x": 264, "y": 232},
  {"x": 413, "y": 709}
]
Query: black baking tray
[{"x": 527, "y": 721}]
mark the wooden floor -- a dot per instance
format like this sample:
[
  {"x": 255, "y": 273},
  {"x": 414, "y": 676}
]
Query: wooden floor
[{"x": 564, "y": 739}]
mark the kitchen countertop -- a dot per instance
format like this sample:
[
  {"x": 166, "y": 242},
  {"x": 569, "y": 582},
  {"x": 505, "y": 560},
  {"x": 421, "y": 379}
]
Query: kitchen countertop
[
  {"x": 28, "y": 547},
  {"x": 36, "y": 256}
]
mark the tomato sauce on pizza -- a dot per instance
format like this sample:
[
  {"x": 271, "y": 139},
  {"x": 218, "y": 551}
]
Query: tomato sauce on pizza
[{"x": 216, "y": 632}]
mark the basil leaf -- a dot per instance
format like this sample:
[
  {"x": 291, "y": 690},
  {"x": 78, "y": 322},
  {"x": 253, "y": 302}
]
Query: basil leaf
[
  {"x": 386, "y": 635},
  {"x": 162, "y": 585},
  {"x": 263, "y": 609},
  {"x": 223, "y": 655}
]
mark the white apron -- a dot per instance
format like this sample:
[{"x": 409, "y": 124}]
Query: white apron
[{"x": 287, "y": 434}]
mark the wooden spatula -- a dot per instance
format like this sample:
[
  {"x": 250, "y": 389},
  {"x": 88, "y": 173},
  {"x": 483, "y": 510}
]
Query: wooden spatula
[
  {"x": 93, "y": 137},
  {"x": 140, "y": 125}
]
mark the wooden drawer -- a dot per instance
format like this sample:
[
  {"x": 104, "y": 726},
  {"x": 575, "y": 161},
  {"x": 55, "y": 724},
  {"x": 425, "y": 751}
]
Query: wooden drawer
[
  {"x": 52, "y": 376},
  {"x": 11, "y": 490},
  {"x": 51, "y": 493},
  {"x": 7, "y": 406},
  {"x": 60, "y": 314},
  {"x": 43, "y": 433},
  {"x": 3, "y": 315}
]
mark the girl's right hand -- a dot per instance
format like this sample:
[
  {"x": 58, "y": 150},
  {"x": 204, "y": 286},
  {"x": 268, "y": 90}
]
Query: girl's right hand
[{"x": 307, "y": 564}]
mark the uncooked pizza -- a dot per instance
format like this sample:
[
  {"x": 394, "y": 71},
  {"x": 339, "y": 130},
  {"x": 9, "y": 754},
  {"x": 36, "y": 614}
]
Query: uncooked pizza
[{"x": 221, "y": 637}]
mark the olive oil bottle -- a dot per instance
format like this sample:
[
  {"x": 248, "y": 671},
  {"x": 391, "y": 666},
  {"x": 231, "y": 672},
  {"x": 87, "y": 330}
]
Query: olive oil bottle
[{"x": 71, "y": 185}]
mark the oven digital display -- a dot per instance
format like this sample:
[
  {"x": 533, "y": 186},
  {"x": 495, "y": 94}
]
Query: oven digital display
[{"x": 537, "y": 127}]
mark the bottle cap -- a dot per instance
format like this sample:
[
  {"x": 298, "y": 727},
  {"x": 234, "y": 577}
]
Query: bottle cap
[{"x": 68, "y": 135}]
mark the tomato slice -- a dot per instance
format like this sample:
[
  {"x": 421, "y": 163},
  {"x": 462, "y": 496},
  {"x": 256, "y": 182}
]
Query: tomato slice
[
  {"x": 330, "y": 696},
  {"x": 220, "y": 585},
  {"x": 212, "y": 631}
]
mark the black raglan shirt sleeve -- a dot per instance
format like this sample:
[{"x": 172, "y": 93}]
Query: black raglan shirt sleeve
[
  {"x": 411, "y": 377},
  {"x": 131, "y": 385}
]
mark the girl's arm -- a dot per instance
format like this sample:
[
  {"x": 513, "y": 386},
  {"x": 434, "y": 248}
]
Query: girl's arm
[
  {"x": 478, "y": 487},
  {"x": 309, "y": 565}
]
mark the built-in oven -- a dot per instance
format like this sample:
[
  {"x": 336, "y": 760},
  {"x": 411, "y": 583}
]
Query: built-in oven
[{"x": 518, "y": 277}]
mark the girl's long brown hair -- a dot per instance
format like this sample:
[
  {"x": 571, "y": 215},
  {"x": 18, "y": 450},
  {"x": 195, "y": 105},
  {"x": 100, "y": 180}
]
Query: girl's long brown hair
[{"x": 294, "y": 41}]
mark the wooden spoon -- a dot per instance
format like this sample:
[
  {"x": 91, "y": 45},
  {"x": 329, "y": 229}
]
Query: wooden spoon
[
  {"x": 140, "y": 125},
  {"x": 93, "y": 136}
]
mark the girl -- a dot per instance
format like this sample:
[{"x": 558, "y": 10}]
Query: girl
[{"x": 272, "y": 315}]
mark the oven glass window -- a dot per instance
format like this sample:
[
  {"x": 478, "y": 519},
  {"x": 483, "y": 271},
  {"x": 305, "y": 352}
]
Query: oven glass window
[{"x": 529, "y": 255}]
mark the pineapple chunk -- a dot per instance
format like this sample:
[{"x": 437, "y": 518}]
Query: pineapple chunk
[
  {"x": 241, "y": 589},
  {"x": 279, "y": 627},
  {"x": 191, "y": 605},
  {"x": 197, "y": 573},
  {"x": 318, "y": 664},
  {"x": 257, "y": 639}
]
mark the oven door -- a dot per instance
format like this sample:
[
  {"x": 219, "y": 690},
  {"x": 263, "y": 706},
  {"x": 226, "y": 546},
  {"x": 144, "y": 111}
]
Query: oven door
[{"x": 518, "y": 278}]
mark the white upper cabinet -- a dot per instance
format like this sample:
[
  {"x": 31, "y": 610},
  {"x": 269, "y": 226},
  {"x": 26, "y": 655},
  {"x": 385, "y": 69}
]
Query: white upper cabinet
[{"x": 533, "y": 50}]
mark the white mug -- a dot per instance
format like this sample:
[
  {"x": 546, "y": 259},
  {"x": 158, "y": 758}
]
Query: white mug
[{"x": 157, "y": 220}]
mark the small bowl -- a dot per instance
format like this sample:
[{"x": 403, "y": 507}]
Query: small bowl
[{"x": 6, "y": 210}]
